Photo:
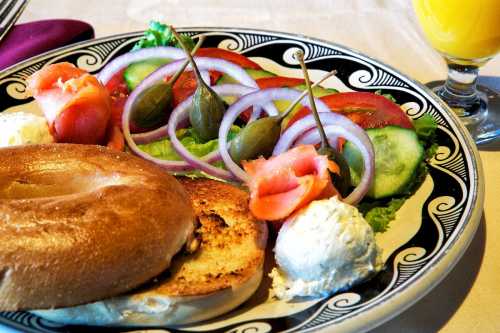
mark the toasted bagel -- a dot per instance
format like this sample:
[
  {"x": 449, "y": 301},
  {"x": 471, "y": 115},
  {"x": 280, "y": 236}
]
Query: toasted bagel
[
  {"x": 224, "y": 272},
  {"x": 80, "y": 223}
]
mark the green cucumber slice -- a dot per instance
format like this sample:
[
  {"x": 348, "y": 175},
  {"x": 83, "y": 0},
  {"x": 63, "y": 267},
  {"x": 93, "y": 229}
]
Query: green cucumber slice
[
  {"x": 137, "y": 71},
  {"x": 254, "y": 74},
  {"x": 398, "y": 153}
]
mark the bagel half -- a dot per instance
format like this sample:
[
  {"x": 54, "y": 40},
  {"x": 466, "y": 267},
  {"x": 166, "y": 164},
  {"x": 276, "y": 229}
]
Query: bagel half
[
  {"x": 224, "y": 272},
  {"x": 80, "y": 223}
]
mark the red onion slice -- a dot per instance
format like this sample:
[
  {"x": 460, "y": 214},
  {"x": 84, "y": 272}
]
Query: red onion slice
[
  {"x": 310, "y": 138},
  {"x": 204, "y": 64},
  {"x": 119, "y": 63},
  {"x": 304, "y": 131},
  {"x": 181, "y": 112},
  {"x": 171, "y": 69},
  {"x": 161, "y": 132},
  {"x": 174, "y": 166},
  {"x": 259, "y": 98},
  {"x": 181, "y": 115},
  {"x": 307, "y": 123}
]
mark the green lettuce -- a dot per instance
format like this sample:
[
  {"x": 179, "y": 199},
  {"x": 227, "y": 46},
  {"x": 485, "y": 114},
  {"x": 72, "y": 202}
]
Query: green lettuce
[
  {"x": 425, "y": 127},
  {"x": 159, "y": 34},
  {"x": 163, "y": 149},
  {"x": 379, "y": 213},
  {"x": 388, "y": 96}
]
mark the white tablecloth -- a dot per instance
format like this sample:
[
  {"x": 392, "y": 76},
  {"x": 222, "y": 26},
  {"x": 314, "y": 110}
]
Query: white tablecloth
[{"x": 468, "y": 299}]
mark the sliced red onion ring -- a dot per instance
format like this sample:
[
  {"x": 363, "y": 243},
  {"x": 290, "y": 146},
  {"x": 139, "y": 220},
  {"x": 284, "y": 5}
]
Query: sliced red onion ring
[
  {"x": 310, "y": 138},
  {"x": 204, "y": 65},
  {"x": 161, "y": 132},
  {"x": 181, "y": 109},
  {"x": 258, "y": 98},
  {"x": 335, "y": 125},
  {"x": 181, "y": 114},
  {"x": 257, "y": 111},
  {"x": 175, "y": 166},
  {"x": 154, "y": 135},
  {"x": 126, "y": 59}
]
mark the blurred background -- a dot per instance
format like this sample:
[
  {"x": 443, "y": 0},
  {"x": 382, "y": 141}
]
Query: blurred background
[{"x": 384, "y": 29}]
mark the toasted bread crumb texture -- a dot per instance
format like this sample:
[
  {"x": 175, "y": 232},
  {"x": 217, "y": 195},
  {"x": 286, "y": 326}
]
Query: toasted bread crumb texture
[{"x": 232, "y": 242}]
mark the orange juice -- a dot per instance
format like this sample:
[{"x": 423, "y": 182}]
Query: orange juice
[{"x": 464, "y": 29}]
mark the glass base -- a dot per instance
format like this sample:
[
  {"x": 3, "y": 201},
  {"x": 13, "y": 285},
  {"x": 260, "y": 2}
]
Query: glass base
[{"x": 482, "y": 117}]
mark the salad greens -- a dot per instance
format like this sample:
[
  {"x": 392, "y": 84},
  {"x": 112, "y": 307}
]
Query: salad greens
[
  {"x": 388, "y": 96},
  {"x": 425, "y": 127},
  {"x": 159, "y": 34},
  {"x": 163, "y": 149},
  {"x": 378, "y": 213}
]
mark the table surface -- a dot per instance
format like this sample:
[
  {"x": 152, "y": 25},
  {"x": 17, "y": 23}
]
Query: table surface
[{"x": 468, "y": 299}]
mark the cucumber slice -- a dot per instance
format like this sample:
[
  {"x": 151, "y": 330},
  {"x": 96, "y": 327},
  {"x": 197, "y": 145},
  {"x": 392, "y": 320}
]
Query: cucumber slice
[
  {"x": 318, "y": 91},
  {"x": 397, "y": 156},
  {"x": 254, "y": 74},
  {"x": 137, "y": 71},
  {"x": 259, "y": 73}
]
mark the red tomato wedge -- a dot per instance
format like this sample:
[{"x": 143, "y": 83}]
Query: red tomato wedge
[
  {"x": 236, "y": 58},
  {"x": 183, "y": 88},
  {"x": 366, "y": 109},
  {"x": 186, "y": 85},
  {"x": 278, "y": 82},
  {"x": 77, "y": 107},
  {"x": 284, "y": 183}
]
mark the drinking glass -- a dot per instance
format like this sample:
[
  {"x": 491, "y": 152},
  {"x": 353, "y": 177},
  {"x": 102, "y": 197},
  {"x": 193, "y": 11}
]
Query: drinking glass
[{"x": 467, "y": 34}]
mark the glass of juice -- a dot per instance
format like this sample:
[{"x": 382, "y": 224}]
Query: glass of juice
[{"x": 467, "y": 34}]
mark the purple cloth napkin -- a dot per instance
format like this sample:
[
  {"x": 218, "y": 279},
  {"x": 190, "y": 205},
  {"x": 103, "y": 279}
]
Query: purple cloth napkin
[{"x": 29, "y": 39}]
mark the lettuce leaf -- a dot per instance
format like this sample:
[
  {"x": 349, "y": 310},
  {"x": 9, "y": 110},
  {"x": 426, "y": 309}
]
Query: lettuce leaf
[
  {"x": 163, "y": 149},
  {"x": 379, "y": 213},
  {"x": 425, "y": 127},
  {"x": 388, "y": 96},
  {"x": 159, "y": 34}
]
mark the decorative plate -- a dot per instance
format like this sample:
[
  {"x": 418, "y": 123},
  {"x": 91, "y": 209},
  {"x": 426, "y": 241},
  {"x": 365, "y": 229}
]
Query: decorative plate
[{"x": 428, "y": 236}]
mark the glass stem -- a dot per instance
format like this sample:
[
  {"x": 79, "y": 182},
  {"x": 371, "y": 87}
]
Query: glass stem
[
  {"x": 461, "y": 81},
  {"x": 459, "y": 91}
]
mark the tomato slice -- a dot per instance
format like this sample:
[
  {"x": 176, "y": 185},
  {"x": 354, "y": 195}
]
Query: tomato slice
[
  {"x": 183, "y": 88},
  {"x": 366, "y": 109},
  {"x": 186, "y": 85},
  {"x": 236, "y": 58},
  {"x": 118, "y": 90},
  {"x": 278, "y": 82}
]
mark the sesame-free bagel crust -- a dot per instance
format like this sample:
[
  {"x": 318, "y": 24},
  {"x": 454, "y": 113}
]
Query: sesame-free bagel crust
[{"x": 79, "y": 223}]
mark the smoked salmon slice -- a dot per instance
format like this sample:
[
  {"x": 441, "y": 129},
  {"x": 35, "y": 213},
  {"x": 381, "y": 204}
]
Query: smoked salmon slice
[
  {"x": 76, "y": 105},
  {"x": 282, "y": 184}
]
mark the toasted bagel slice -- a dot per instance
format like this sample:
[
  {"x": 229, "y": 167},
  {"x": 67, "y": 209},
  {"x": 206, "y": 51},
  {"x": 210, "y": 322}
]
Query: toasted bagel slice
[
  {"x": 81, "y": 223},
  {"x": 221, "y": 274}
]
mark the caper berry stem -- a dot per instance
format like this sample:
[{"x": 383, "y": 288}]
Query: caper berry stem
[
  {"x": 177, "y": 74},
  {"x": 188, "y": 55},
  {"x": 305, "y": 92},
  {"x": 324, "y": 140}
]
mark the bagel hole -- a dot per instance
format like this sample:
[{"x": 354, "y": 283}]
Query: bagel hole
[{"x": 52, "y": 184}]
